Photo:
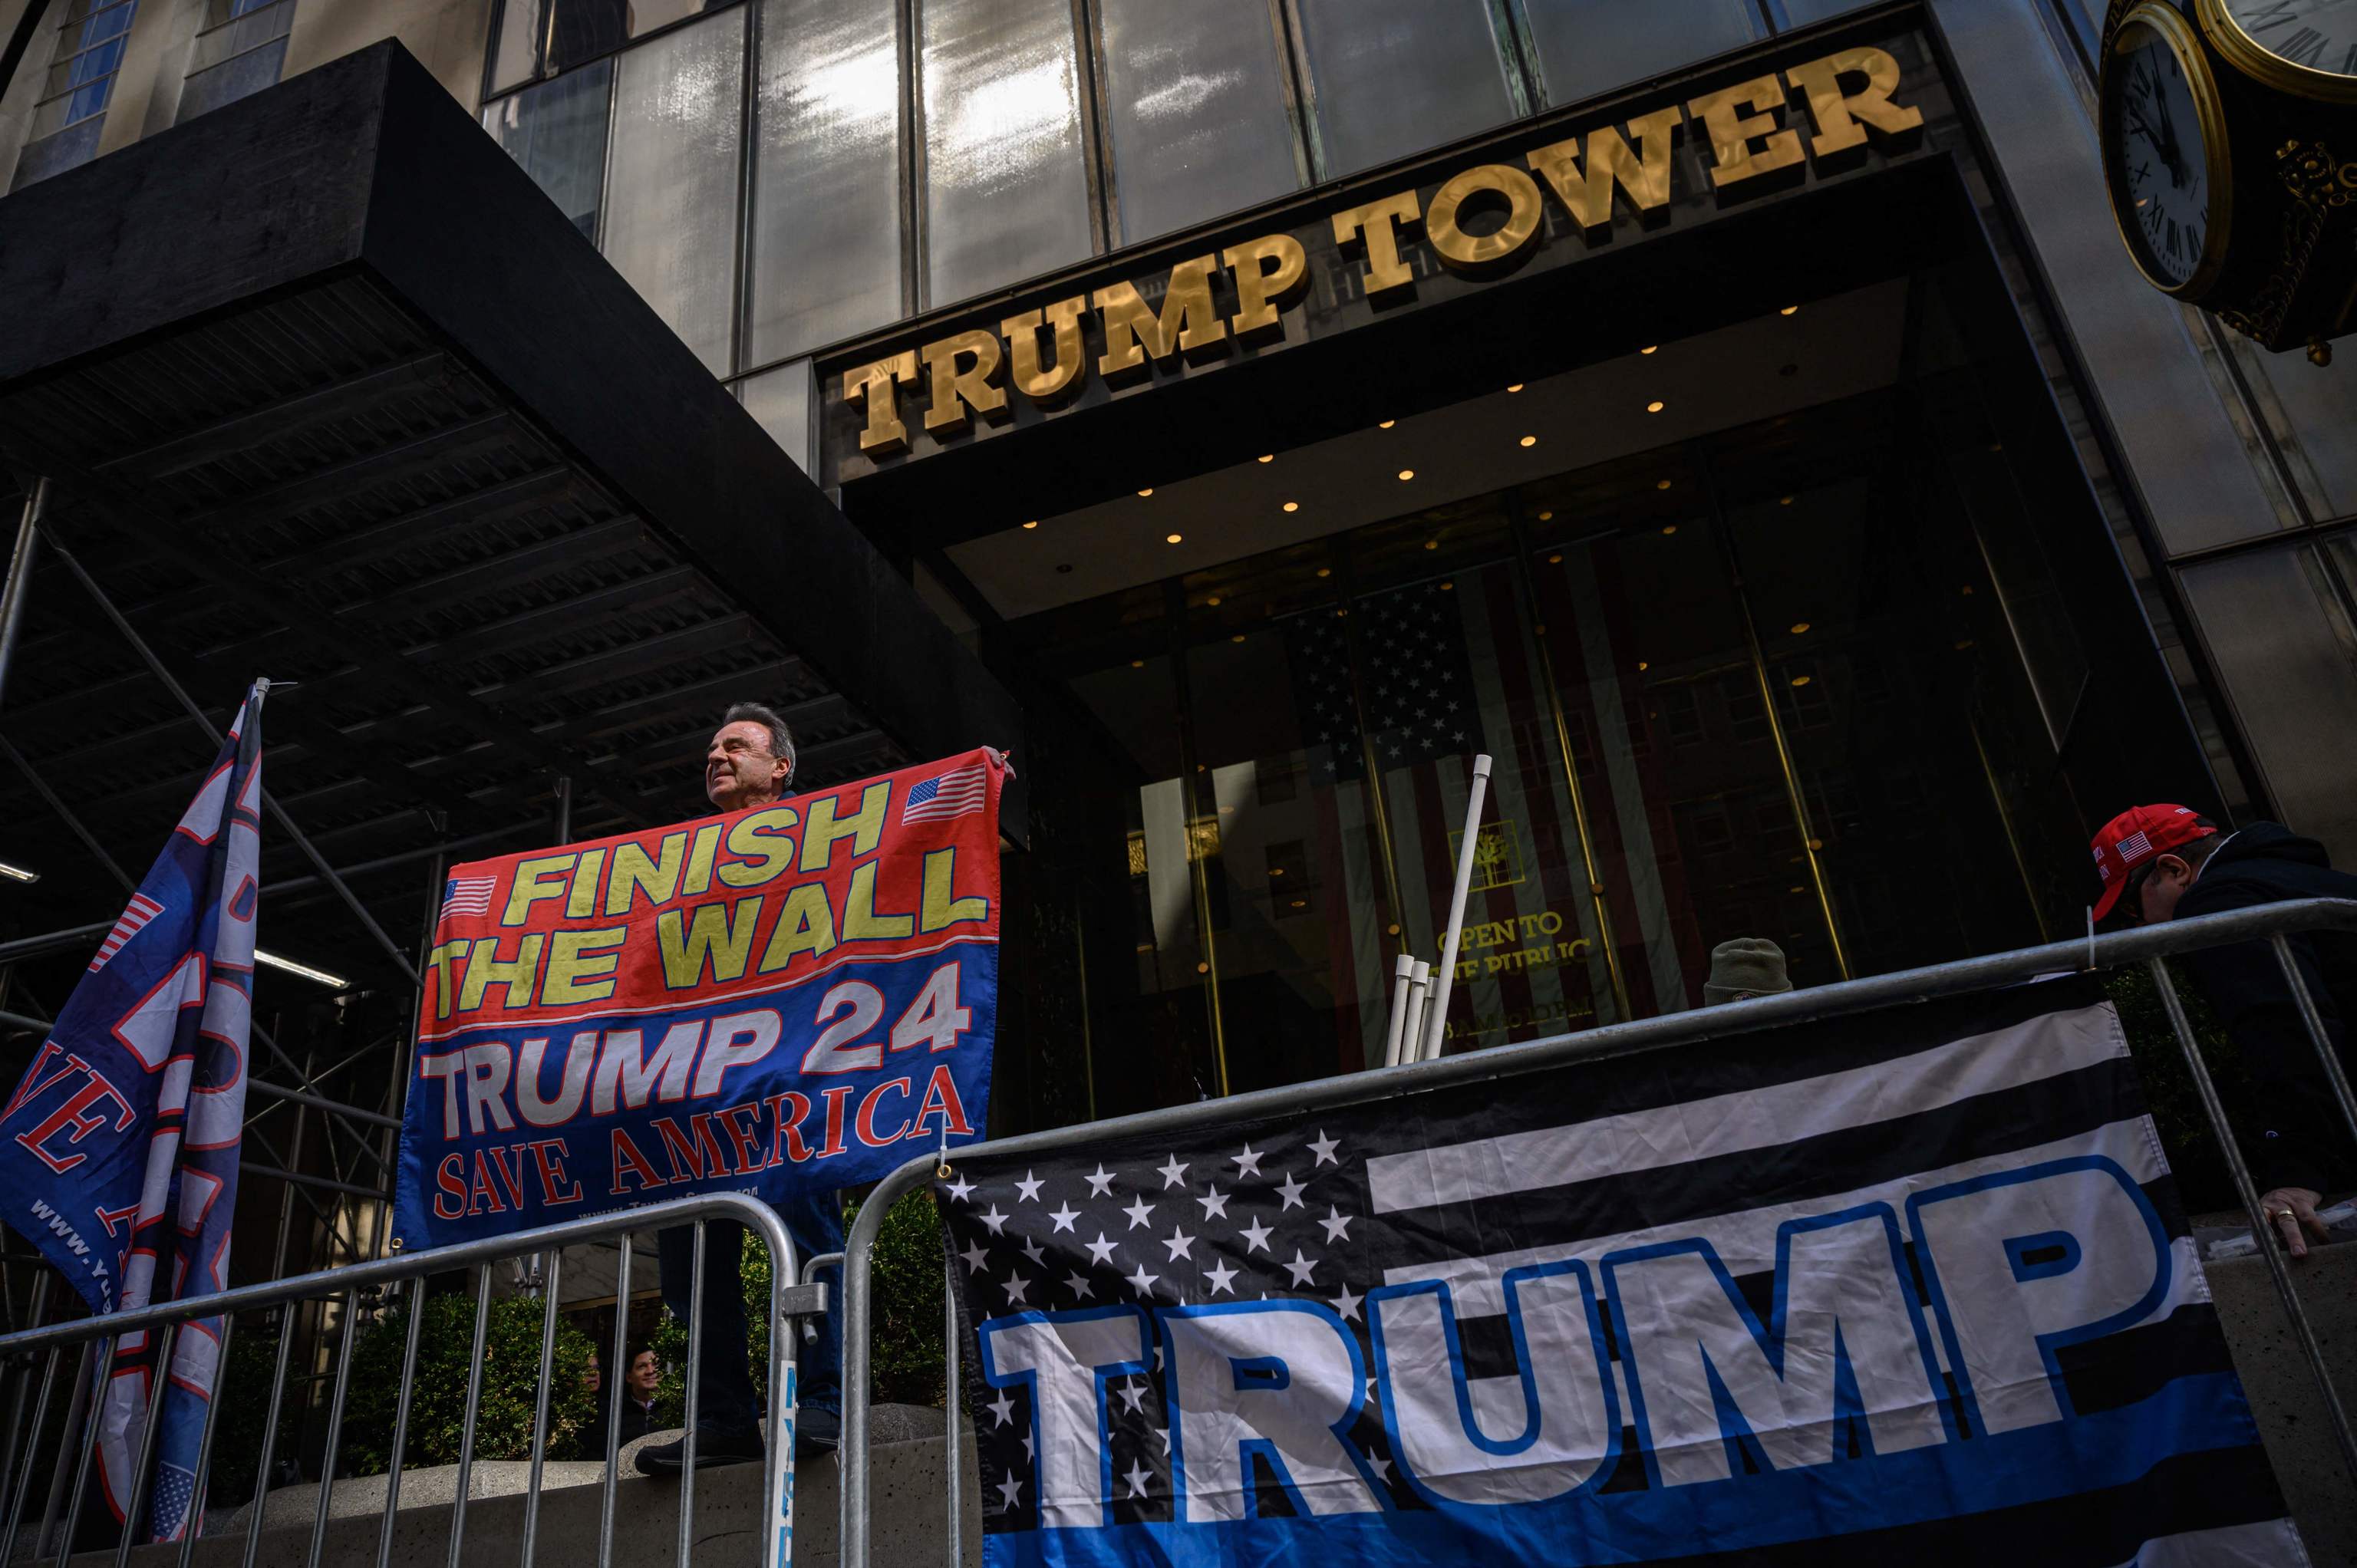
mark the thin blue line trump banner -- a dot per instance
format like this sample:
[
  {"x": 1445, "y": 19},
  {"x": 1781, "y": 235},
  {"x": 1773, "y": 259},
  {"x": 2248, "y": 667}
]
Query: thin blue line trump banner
[
  {"x": 1912, "y": 1287},
  {"x": 790, "y": 998}
]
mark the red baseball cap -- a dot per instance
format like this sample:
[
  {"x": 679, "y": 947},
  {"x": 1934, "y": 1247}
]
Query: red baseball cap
[{"x": 2134, "y": 837}]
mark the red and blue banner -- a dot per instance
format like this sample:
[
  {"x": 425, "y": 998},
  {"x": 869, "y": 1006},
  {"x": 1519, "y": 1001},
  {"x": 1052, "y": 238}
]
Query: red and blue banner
[
  {"x": 118, "y": 1151},
  {"x": 795, "y": 997}
]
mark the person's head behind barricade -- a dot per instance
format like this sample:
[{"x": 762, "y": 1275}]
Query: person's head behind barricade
[
  {"x": 2148, "y": 856},
  {"x": 750, "y": 761},
  {"x": 1742, "y": 968}
]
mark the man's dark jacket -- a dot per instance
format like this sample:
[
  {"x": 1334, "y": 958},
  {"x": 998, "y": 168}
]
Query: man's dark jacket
[{"x": 2301, "y": 1139}]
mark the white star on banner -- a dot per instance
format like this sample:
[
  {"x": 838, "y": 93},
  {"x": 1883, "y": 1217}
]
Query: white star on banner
[
  {"x": 1101, "y": 1183},
  {"x": 1347, "y": 1303},
  {"x": 1214, "y": 1201},
  {"x": 1010, "y": 1489},
  {"x": 975, "y": 1258},
  {"x": 1172, "y": 1172},
  {"x": 1137, "y": 1478},
  {"x": 995, "y": 1220},
  {"x": 1248, "y": 1161},
  {"x": 1256, "y": 1237},
  {"x": 1141, "y": 1282},
  {"x": 1219, "y": 1275},
  {"x": 1080, "y": 1287},
  {"x": 1029, "y": 1188},
  {"x": 1337, "y": 1225},
  {"x": 1164, "y": 1433},
  {"x": 1038, "y": 1254},
  {"x": 1064, "y": 1216},
  {"x": 1300, "y": 1268},
  {"x": 1178, "y": 1241},
  {"x": 960, "y": 1188},
  {"x": 1100, "y": 1249},
  {"x": 1324, "y": 1148},
  {"x": 1132, "y": 1394},
  {"x": 1382, "y": 1468},
  {"x": 1137, "y": 1211},
  {"x": 1030, "y": 1448},
  {"x": 1003, "y": 1407},
  {"x": 1291, "y": 1191},
  {"x": 1015, "y": 1288}
]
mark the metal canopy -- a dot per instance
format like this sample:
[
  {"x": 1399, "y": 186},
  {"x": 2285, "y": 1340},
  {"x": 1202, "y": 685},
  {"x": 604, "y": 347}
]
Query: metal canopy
[{"x": 325, "y": 391}]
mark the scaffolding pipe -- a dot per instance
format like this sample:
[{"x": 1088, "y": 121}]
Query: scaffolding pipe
[{"x": 19, "y": 585}]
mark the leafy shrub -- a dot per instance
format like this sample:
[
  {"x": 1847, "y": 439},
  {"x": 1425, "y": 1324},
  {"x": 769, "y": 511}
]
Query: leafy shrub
[
  {"x": 2203, "y": 1184},
  {"x": 245, "y": 1403},
  {"x": 438, "y": 1408}
]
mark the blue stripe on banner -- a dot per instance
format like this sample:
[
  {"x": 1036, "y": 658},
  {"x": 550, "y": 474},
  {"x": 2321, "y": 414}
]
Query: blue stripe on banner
[{"x": 2201, "y": 1414}]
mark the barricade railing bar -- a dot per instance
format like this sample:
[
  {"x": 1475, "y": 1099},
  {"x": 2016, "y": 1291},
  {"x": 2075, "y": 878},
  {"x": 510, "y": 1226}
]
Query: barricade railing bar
[
  {"x": 2150, "y": 946},
  {"x": 70, "y": 1348}
]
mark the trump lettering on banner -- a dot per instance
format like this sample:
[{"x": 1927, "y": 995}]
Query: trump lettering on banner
[
  {"x": 1912, "y": 1287},
  {"x": 789, "y": 998}
]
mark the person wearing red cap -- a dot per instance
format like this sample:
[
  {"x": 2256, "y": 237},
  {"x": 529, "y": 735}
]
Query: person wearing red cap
[{"x": 2167, "y": 862}]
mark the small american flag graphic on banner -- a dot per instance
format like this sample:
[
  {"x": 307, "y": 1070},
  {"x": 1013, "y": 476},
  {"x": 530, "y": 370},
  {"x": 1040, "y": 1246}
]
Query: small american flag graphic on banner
[
  {"x": 952, "y": 794},
  {"x": 468, "y": 895},
  {"x": 135, "y": 915}
]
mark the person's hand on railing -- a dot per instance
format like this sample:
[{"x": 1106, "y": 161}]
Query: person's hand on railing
[{"x": 2290, "y": 1212}]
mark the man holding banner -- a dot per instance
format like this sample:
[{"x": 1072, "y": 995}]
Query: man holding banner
[
  {"x": 784, "y": 1001},
  {"x": 749, "y": 763}
]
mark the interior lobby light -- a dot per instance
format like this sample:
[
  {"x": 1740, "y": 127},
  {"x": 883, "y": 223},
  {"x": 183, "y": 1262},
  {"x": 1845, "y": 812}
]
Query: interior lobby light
[
  {"x": 1530, "y": 440},
  {"x": 1788, "y": 500},
  {"x": 1799, "y": 627},
  {"x": 1325, "y": 571},
  {"x": 1238, "y": 637},
  {"x": 1656, "y": 347},
  {"x": 1446, "y": 586},
  {"x": 1432, "y": 544},
  {"x": 1788, "y": 310},
  {"x": 18, "y": 873},
  {"x": 1554, "y": 560},
  {"x": 1546, "y": 517},
  {"x": 1643, "y": 666},
  {"x": 1031, "y": 525},
  {"x": 1800, "y": 680},
  {"x": 1269, "y": 458},
  {"x": 1213, "y": 601},
  {"x": 1662, "y": 485},
  {"x": 1668, "y": 529},
  {"x": 1137, "y": 664},
  {"x": 1387, "y": 424},
  {"x": 1515, "y": 387},
  {"x": 1655, "y": 407},
  {"x": 1147, "y": 491},
  {"x": 1293, "y": 506},
  {"x": 1172, "y": 538},
  {"x": 335, "y": 982},
  {"x": 1407, "y": 474}
]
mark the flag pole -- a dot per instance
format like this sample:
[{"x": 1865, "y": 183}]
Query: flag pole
[
  {"x": 1403, "y": 974},
  {"x": 1435, "y": 1012}
]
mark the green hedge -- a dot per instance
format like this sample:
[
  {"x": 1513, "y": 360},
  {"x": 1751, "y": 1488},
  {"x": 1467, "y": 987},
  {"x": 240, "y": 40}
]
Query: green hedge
[{"x": 438, "y": 1408}]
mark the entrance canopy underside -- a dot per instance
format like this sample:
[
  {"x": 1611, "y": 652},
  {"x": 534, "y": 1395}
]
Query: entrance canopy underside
[{"x": 340, "y": 399}]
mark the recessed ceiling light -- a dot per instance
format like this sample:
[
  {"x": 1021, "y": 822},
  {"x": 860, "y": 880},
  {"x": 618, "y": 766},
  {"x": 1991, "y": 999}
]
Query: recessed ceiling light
[
  {"x": 1137, "y": 664},
  {"x": 1301, "y": 903},
  {"x": 333, "y": 981},
  {"x": 1643, "y": 666},
  {"x": 1669, "y": 527},
  {"x": 1530, "y": 440},
  {"x": 1269, "y": 458},
  {"x": 1407, "y": 473},
  {"x": 1446, "y": 586},
  {"x": 1432, "y": 544},
  {"x": 1214, "y": 599},
  {"x": 1031, "y": 525},
  {"x": 1387, "y": 424},
  {"x": 1515, "y": 387},
  {"x": 1652, "y": 349},
  {"x": 1662, "y": 485},
  {"x": 1655, "y": 406},
  {"x": 1788, "y": 310},
  {"x": 1801, "y": 680},
  {"x": 1293, "y": 506},
  {"x": 1238, "y": 637},
  {"x": 1799, "y": 627},
  {"x": 1146, "y": 491},
  {"x": 18, "y": 873},
  {"x": 1325, "y": 571},
  {"x": 1546, "y": 517},
  {"x": 1172, "y": 538},
  {"x": 1276, "y": 871},
  {"x": 1554, "y": 560},
  {"x": 1788, "y": 500}
]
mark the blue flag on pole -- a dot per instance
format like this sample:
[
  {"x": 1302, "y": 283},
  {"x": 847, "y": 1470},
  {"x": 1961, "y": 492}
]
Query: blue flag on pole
[{"x": 119, "y": 1149}]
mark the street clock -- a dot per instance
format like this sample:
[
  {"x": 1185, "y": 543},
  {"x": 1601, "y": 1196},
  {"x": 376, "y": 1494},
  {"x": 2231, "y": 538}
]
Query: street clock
[{"x": 2229, "y": 134}]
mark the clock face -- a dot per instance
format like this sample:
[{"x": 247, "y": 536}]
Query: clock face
[
  {"x": 2160, "y": 158},
  {"x": 2318, "y": 35}
]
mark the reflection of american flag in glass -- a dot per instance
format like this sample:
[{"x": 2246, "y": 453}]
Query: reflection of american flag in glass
[
  {"x": 136, "y": 914},
  {"x": 468, "y": 895},
  {"x": 952, "y": 794}
]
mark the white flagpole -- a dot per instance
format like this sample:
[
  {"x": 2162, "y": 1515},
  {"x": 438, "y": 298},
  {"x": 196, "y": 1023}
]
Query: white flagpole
[
  {"x": 1419, "y": 986},
  {"x": 1435, "y": 1018},
  {"x": 1403, "y": 975}
]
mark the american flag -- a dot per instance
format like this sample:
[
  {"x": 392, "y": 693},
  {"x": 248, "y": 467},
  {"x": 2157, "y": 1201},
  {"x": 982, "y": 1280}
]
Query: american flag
[
  {"x": 1478, "y": 1248},
  {"x": 951, "y": 794},
  {"x": 468, "y": 895},
  {"x": 135, "y": 915},
  {"x": 2136, "y": 847}
]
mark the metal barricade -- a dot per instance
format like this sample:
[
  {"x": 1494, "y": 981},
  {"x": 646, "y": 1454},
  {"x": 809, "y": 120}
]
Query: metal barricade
[
  {"x": 789, "y": 1300},
  {"x": 2150, "y": 946}
]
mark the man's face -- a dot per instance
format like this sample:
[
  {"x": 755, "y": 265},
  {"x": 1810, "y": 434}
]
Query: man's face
[
  {"x": 592, "y": 1378},
  {"x": 2163, "y": 886},
  {"x": 738, "y": 769},
  {"x": 645, "y": 1374}
]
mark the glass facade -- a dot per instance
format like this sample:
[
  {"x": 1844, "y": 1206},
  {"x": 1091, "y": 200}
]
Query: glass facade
[
  {"x": 90, "y": 38},
  {"x": 240, "y": 49},
  {"x": 908, "y": 156},
  {"x": 1804, "y": 677}
]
